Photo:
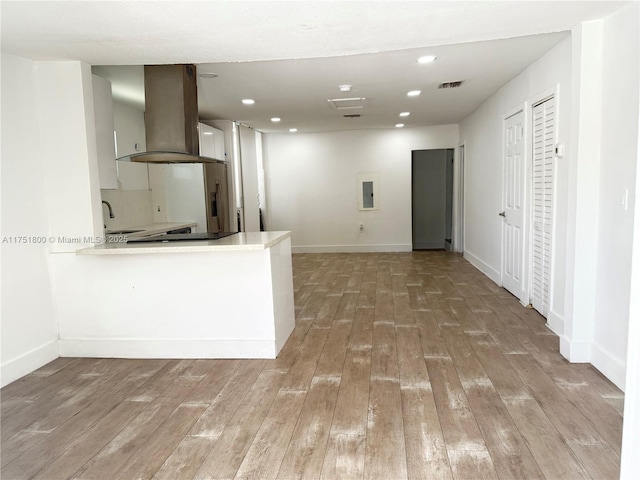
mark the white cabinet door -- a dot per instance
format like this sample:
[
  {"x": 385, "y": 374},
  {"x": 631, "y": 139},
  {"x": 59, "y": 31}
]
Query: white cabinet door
[
  {"x": 211, "y": 142},
  {"x": 130, "y": 138},
  {"x": 103, "y": 113}
]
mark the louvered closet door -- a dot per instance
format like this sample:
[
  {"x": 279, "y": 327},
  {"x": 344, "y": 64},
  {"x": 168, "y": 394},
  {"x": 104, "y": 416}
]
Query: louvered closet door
[{"x": 543, "y": 156}]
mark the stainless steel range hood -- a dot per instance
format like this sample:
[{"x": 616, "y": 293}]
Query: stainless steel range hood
[{"x": 171, "y": 116}]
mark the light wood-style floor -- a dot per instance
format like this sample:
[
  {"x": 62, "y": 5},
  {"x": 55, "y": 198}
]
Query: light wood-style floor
[{"x": 402, "y": 365}]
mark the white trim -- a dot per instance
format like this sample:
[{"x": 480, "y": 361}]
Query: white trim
[
  {"x": 575, "y": 352},
  {"x": 611, "y": 366},
  {"x": 28, "y": 362},
  {"x": 521, "y": 108},
  {"x": 458, "y": 198},
  {"x": 555, "y": 322},
  {"x": 510, "y": 113},
  {"x": 167, "y": 348},
  {"x": 545, "y": 95},
  {"x": 485, "y": 268},
  {"x": 629, "y": 459},
  {"x": 351, "y": 248},
  {"x": 552, "y": 92}
]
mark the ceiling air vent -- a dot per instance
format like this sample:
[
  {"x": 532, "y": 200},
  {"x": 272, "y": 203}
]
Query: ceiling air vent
[
  {"x": 451, "y": 84},
  {"x": 351, "y": 115},
  {"x": 346, "y": 103}
]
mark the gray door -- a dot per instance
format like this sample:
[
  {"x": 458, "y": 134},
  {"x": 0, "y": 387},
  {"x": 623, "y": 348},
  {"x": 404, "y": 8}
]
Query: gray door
[{"x": 432, "y": 180}]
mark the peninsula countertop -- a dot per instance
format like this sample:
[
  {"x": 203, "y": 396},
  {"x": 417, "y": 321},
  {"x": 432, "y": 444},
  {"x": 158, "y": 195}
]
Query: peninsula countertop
[
  {"x": 150, "y": 228},
  {"x": 238, "y": 242}
]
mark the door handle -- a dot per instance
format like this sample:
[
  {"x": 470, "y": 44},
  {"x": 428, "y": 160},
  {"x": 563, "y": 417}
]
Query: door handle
[{"x": 502, "y": 214}]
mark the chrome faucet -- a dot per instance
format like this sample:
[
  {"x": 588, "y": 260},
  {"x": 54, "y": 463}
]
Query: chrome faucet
[{"x": 111, "y": 215}]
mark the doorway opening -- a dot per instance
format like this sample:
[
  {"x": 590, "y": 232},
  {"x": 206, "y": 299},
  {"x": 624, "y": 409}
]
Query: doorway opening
[{"x": 432, "y": 199}]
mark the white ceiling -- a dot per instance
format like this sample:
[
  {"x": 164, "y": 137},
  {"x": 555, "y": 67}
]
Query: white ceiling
[{"x": 290, "y": 56}]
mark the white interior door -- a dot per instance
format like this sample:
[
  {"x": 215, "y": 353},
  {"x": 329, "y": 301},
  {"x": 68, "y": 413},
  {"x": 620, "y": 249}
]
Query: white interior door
[
  {"x": 513, "y": 215},
  {"x": 543, "y": 155}
]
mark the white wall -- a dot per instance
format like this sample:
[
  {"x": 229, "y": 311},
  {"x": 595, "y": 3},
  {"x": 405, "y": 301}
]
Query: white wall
[
  {"x": 29, "y": 330},
  {"x": 618, "y": 163},
  {"x": 630, "y": 460},
  {"x": 582, "y": 194},
  {"x": 69, "y": 151},
  {"x": 482, "y": 134},
  {"x": 51, "y": 191},
  {"x": 311, "y": 186},
  {"x": 597, "y": 87}
]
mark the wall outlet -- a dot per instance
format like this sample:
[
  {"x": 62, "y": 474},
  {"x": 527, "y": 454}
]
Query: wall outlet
[{"x": 362, "y": 227}]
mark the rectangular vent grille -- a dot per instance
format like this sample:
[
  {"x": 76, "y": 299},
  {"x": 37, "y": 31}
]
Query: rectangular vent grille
[
  {"x": 451, "y": 84},
  {"x": 351, "y": 115},
  {"x": 346, "y": 103}
]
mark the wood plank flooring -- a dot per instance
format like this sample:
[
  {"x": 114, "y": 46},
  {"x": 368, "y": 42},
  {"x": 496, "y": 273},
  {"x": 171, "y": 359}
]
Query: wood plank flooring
[{"x": 401, "y": 366}]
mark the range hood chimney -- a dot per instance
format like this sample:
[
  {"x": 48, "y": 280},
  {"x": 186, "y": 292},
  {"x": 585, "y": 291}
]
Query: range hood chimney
[{"x": 171, "y": 116}]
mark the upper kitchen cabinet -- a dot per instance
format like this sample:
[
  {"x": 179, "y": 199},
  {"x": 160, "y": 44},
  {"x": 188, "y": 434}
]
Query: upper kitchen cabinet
[
  {"x": 211, "y": 142},
  {"x": 130, "y": 139},
  {"x": 103, "y": 113}
]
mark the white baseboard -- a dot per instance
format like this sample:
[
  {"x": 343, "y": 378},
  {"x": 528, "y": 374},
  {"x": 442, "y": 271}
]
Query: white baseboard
[
  {"x": 28, "y": 362},
  {"x": 610, "y": 365},
  {"x": 489, "y": 271},
  {"x": 575, "y": 352},
  {"x": 351, "y": 248},
  {"x": 167, "y": 348},
  {"x": 555, "y": 323}
]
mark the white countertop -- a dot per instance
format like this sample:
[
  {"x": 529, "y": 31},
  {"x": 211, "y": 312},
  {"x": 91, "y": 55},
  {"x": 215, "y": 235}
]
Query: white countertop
[
  {"x": 246, "y": 241},
  {"x": 152, "y": 228}
]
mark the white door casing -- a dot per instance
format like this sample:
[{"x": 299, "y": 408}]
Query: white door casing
[
  {"x": 458, "y": 202},
  {"x": 513, "y": 213},
  {"x": 543, "y": 137}
]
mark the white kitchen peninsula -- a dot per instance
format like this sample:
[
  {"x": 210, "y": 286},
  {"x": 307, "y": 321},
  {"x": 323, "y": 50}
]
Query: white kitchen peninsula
[{"x": 226, "y": 298}]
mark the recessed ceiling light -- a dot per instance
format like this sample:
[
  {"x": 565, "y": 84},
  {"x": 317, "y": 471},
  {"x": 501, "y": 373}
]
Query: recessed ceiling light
[
  {"x": 404, "y": 114},
  {"x": 275, "y": 119},
  {"x": 427, "y": 59},
  {"x": 248, "y": 101},
  {"x": 293, "y": 130},
  {"x": 399, "y": 125},
  {"x": 345, "y": 88},
  {"x": 414, "y": 93},
  {"x": 208, "y": 75}
]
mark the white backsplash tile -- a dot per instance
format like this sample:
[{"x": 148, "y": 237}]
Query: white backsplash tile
[{"x": 130, "y": 207}]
